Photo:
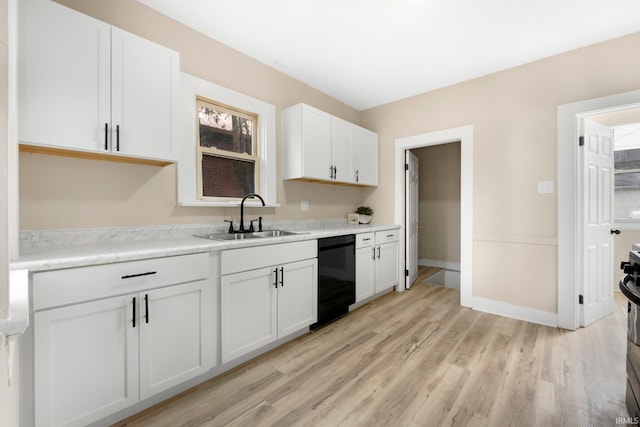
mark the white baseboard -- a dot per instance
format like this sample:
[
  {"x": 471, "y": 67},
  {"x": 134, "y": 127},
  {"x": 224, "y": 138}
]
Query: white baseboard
[
  {"x": 453, "y": 266},
  {"x": 516, "y": 312},
  {"x": 452, "y": 279}
]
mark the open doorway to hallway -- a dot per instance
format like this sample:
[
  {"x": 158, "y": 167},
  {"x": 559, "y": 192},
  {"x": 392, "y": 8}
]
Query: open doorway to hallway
[{"x": 439, "y": 214}]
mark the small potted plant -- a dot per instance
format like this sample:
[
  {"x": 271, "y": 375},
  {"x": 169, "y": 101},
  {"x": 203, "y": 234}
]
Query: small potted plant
[{"x": 365, "y": 213}]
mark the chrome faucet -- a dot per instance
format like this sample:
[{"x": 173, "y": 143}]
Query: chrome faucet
[{"x": 241, "y": 229}]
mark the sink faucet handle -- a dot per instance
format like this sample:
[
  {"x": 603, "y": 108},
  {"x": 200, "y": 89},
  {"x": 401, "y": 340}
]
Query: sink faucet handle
[
  {"x": 259, "y": 223},
  {"x": 231, "y": 230},
  {"x": 251, "y": 225}
]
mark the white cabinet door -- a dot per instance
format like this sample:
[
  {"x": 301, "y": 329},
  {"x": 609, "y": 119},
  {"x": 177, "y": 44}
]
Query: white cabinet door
[
  {"x": 365, "y": 156},
  {"x": 85, "y": 361},
  {"x": 386, "y": 265},
  {"x": 176, "y": 336},
  {"x": 248, "y": 307},
  {"x": 64, "y": 77},
  {"x": 365, "y": 272},
  {"x": 316, "y": 143},
  {"x": 297, "y": 296},
  {"x": 342, "y": 150},
  {"x": 144, "y": 89}
]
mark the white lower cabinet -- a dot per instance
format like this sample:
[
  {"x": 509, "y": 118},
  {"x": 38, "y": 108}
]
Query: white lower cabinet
[
  {"x": 365, "y": 266},
  {"x": 85, "y": 362},
  {"x": 377, "y": 267},
  {"x": 92, "y": 359},
  {"x": 387, "y": 270},
  {"x": 260, "y": 304}
]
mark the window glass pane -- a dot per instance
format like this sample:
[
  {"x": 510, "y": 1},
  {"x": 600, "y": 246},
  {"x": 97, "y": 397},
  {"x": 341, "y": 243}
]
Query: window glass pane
[
  {"x": 224, "y": 177},
  {"x": 225, "y": 131}
]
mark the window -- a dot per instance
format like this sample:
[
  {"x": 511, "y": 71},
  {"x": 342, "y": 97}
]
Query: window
[
  {"x": 226, "y": 152},
  {"x": 243, "y": 167}
]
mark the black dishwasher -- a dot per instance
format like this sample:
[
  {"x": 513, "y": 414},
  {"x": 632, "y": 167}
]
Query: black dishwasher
[{"x": 336, "y": 278}]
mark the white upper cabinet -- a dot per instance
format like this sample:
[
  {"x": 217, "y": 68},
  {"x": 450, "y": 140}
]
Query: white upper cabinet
[
  {"x": 144, "y": 88},
  {"x": 365, "y": 156},
  {"x": 320, "y": 147},
  {"x": 85, "y": 85},
  {"x": 342, "y": 150},
  {"x": 64, "y": 77}
]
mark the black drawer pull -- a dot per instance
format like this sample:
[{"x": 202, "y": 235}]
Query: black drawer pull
[
  {"x": 148, "y": 273},
  {"x": 390, "y": 235}
]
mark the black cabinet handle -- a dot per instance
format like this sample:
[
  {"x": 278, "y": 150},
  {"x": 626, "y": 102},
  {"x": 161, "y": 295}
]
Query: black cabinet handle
[
  {"x": 134, "y": 312},
  {"x": 106, "y": 136},
  {"x": 373, "y": 256},
  {"x": 356, "y": 175},
  {"x": 117, "y": 137},
  {"x": 378, "y": 252},
  {"x": 615, "y": 231},
  {"x": 331, "y": 172},
  {"x": 335, "y": 172},
  {"x": 282, "y": 276},
  {"x": 275, "y": 283},
  {"x": 146, "y": 308},
  {"x": 148, "y": 273}
]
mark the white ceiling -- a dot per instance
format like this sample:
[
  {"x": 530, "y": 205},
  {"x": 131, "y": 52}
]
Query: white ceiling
[{"x": 370, "y": 52}]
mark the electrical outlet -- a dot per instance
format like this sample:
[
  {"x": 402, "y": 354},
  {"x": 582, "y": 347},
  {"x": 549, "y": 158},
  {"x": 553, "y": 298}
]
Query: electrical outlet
[
  {"x": 304, "y": 205},
  {"x": 545, "y": 187}
]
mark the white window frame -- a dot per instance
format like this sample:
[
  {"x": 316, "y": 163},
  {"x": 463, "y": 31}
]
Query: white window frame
[
  {"x": 216, "y": 152},
  {"x": 192, "y": 87}
]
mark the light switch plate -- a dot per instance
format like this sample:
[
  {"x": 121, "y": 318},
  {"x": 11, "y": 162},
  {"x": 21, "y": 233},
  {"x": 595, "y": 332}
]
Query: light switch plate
[
  {"x": 304, "y": 205},
  {"x": 545, "y": 187}
]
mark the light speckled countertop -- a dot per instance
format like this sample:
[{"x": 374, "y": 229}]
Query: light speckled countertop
[{"x": 153, "y": 242}]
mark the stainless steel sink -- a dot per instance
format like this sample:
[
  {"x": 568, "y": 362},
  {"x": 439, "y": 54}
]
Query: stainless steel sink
[
  {"x": 273, "y": 233},
  {"x": 242, "y": 236},
  {"x": 228, "y": 236}
]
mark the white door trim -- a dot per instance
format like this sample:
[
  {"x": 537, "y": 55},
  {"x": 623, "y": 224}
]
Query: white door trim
[
  {"x": 464, "y": 134},
  {"x": 569, "y": 209}
]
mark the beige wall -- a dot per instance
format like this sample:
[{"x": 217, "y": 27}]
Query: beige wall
[
  {"x": 439, "y": 202},
  {"x": 513, "y": 113},
  {"x": 514, "y": 117},
  {"x": 57, "y": 192}
]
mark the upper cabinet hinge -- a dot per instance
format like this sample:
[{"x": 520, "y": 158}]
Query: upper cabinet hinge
[
  {"x": 406, "y": 166},
  {"x": 406, "y": 273},
  {"x": 580, "y": 299},
  {"x": 581, "y": 141}
]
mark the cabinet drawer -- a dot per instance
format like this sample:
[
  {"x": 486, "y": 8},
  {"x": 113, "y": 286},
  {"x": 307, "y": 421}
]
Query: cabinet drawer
[
  {"x": 245, "y": 259},
  {"x": 363, "y": 240},
  {"x": 68, "y": 286},
  {"x": 387, "y": 236}
]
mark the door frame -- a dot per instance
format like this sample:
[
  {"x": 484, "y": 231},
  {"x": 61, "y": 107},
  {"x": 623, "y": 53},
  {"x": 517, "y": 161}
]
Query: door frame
[
  {"x": 409, "y": 196},
  {"x": 569, "y": 209},
  {"x": 464, "y": 134}
]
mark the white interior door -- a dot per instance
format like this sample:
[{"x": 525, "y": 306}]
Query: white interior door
[
  {"x": 597, "y": 241},
  {"x": 411, "y": 221}
]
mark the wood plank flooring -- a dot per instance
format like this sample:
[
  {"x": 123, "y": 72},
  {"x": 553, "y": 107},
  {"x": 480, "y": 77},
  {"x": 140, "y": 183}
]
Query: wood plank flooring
[{"x": 418, "y": 359}]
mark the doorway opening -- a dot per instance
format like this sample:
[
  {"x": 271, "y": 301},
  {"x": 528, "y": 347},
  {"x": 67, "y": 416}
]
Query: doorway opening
[
  {"x": 570, "y": 211},
  {"x": 438, "y": 213},
  {"x": 463, "y": 135}
]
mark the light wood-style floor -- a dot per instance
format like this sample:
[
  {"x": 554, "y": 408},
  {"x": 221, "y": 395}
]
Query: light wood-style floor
[{"x": 418, "y": 359}]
